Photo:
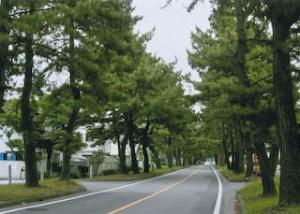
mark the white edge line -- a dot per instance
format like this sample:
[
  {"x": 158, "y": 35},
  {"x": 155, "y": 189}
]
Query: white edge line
[
  {"x": 217, "y": 209},
  {"x": 86, "y": 195}
]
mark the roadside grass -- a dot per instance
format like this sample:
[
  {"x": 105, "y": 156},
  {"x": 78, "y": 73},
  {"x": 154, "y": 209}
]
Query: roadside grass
[
  {"x": 131, "y": 176},
  {"x": 254, "y": 203},
  {"x": 234, "y": 177},
  {"x": 50, "y": 188}
]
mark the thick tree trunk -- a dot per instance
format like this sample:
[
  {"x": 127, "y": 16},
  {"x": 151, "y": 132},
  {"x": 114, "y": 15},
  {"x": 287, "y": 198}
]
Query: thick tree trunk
[
  {"x": 241, "y": 51},
  {"x": 288, "y": 130},
  {"x": 4, "y": 11},
  {"x": 146, "y": 159},
  {"x": 31, "y": 173},
  {"x": 145, "y": 144},
  {"x": 241, "y": 46},
  {"x": 249, "y": 152},
  {"x": 75, "y": 111},
  {"x": 130, "y": 133},
  {"x": 225, "y": 147},
  {"x": 26, "y": 117},
  {"x": 123, "y": 166},
  {"x": 265, "y": 168},
  {"x": 238, "y": 166},
  {"x": 66, "y": 167},
  {"x": 122, "y": 154}
]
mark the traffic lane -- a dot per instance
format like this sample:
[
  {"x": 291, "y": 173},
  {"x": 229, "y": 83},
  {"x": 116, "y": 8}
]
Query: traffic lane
[
  {"x": 105, "y": 202},
  {"x": 98, "y": 186},
  {"x": 196, "y": 195}
]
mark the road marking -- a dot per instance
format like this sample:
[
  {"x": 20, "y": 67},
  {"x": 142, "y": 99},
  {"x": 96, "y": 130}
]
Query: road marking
[
  {"x": 217, "y": 208},
  {"x": 150, "y": 196},
  {"x": 86, "y": 195}
]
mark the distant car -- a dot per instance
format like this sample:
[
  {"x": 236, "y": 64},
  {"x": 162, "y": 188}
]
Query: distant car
[{"x": 206, "y": 163}]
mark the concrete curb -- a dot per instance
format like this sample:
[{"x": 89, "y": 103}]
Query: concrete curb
[{"x": 240, "y": 205}]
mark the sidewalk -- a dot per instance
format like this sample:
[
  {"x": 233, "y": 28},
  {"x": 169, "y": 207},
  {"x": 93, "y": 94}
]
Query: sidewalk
[{"x": 230, "y": 200}]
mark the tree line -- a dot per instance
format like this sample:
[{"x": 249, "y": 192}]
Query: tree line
[
  {"x": 71, "y": 63},
  {"x": 248, "y": 63}
]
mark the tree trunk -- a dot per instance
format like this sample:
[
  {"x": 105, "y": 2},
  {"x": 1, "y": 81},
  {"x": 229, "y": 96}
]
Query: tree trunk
[
  {"x": 145, "y": 145},
  {"x": 130, "y": 132},
  {"x": 75, "y": 111},
  {"x": 249, "y": 162},
  {"x": 31, "y": 172},
  {"x": 122, "y": 154},
  {"x": 238, "y": 166},
  {"x": 265, "y": 169},
  {"x": 241, "y": 51},
  {"x": 241, "y": 46},
  {"x": 288, "y": 130},
  {"x": 225, "y": 147},
  {"x": 49, "y": 157},
  {"x": 170, "y": 153},
  {"x": 249, "y": 152},
  {"x": 155, "y": 156},
  {"x": 221, "y": 157},
  {"x": 26, "y": 116},
  {"x": 123, "y": 158},
  {"x": 66, "y": 167},
  {"x": 4, "y": 11},
  {"x": 178, "y": 156},
  {"x": 146, "y": 159}
]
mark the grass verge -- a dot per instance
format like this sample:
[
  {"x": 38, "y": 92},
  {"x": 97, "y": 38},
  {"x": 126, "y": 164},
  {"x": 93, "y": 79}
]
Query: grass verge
[
  {"x": 234, "y": 177},
  {"x": 140, "y": 176},
  {"x": 51, "y": 188},
  {"x": 255, "y": 203}
]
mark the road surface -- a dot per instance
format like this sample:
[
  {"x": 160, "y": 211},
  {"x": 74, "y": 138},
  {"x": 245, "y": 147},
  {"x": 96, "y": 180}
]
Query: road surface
[{"x": 189, "y": 191}]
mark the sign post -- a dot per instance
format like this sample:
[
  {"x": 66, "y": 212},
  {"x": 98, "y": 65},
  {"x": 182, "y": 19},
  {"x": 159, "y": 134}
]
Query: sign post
[{"x": 9, "y": 175}]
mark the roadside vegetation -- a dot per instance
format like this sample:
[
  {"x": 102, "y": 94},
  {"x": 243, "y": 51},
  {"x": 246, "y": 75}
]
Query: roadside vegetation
[
  {"x": 50, "y": 188},
  {"x": 71, "y": 64},
  {"x": 235, "y": 177},
  {"x": 66, "y": 64},
  {"x": 255, "y": 203},
  {"x": 248, "y": 61}
]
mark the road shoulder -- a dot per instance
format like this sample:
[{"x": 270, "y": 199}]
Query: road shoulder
[{"x": 230, "y": 200}]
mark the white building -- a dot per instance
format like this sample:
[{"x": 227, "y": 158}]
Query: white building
[
  {"x": 8, "y": 158},
  {"x": 110, "y": 150}
]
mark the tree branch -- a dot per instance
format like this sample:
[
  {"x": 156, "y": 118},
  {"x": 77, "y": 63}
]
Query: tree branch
[{"x": 261, "y": 41}]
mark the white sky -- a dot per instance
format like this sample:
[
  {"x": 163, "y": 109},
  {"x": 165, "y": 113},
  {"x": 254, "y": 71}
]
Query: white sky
[{"x": 173, "y": 26}]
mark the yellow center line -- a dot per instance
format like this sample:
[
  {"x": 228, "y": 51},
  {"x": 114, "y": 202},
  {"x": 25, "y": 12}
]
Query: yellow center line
[{"x": 118, "y": 210}]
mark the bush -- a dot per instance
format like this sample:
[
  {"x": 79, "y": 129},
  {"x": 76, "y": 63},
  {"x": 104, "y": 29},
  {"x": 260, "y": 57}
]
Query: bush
[
  {"x": 75, "y": 175},
  {"x": 110, "y": 172},
  {"x": 83, "y": 171}
]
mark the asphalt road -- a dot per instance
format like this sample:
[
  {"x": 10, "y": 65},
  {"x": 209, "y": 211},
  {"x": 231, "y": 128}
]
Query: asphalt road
[{"x": 189, "y": 191}]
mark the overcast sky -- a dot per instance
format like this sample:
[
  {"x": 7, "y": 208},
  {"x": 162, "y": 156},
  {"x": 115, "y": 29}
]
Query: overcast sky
[{"x": 173, "y": 26}]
